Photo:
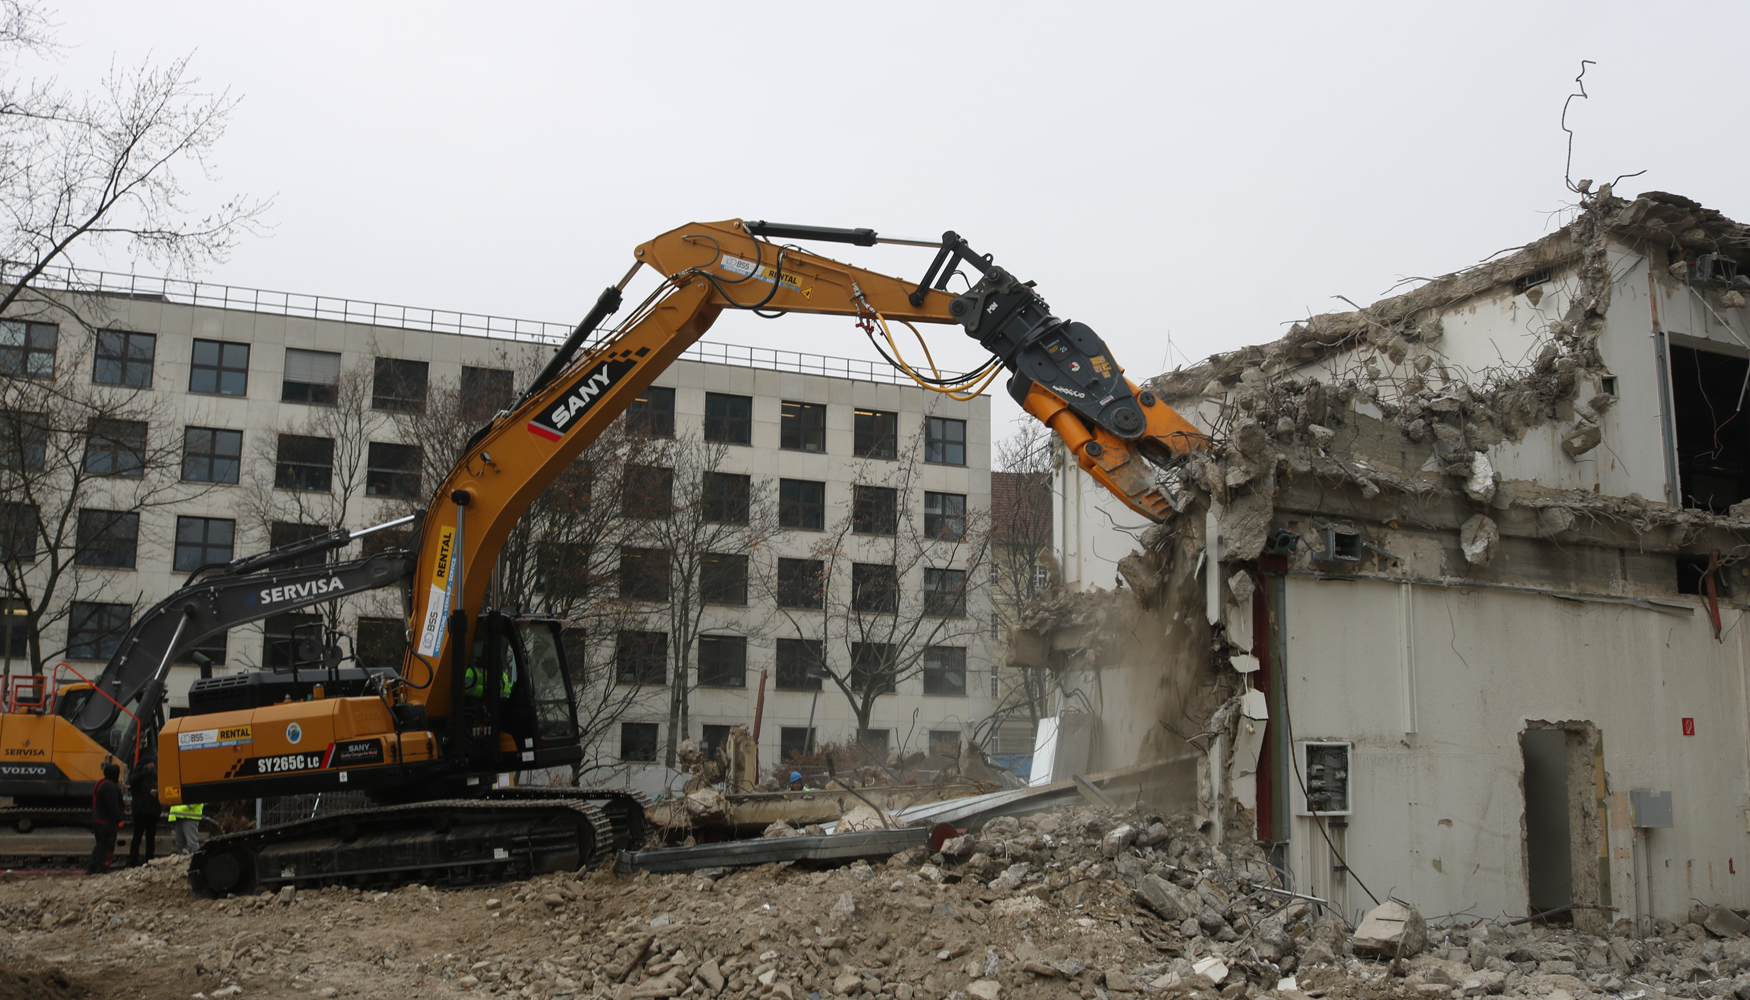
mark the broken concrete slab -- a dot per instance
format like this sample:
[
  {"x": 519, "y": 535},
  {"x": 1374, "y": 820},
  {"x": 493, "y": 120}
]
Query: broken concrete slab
[
  {"x": 1722, "y": 922},
  {"x": 1390, "y": 930},
  {"x": 798, "y": 847},
  {"x": 1477, "y": 539}
]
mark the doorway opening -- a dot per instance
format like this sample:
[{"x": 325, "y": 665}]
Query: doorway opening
[
  {"x": 1562, "y": 835},
  {"x": 1708, "y": 393}
]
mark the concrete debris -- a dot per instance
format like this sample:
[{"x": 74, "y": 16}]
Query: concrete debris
[
  {"x": 1240, "y": 585},
  {"x": 1480, "y": 484},
  {"x": 1478, "y": 538},
  {"x": 1581, "y": 439},
  {"x": 863, "y": 819},
  {"x": 1724, "y": 923},
  {"x": 1391, "y": 930}
]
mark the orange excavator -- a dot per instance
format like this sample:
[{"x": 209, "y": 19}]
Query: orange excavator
[{"x": 483, "y": 692}]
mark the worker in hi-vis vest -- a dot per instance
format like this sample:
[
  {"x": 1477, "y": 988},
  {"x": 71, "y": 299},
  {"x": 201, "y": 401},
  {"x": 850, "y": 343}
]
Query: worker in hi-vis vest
[{"x": 186, "y": 821}]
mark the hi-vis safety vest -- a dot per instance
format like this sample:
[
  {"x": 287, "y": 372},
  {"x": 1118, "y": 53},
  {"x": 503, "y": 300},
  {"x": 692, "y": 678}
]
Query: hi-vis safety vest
[
  {"x": 187, "y": 812},
  {"x": 474, "y": 683}
]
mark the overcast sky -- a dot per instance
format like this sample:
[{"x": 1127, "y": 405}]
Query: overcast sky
[{"x": 1198, "y": 176}]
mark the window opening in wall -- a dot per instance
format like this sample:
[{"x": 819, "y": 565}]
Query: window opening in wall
[
  {"x": 399, "y": 385},
  {"x": 648, "y": 492},
  {"x": 1692, "y": 577},
  {"x": 944, "y": 441},
  {"x": 1713, "y": 435},
  {"x": 124, "y": 358},
  {"x": 801, "y": 504},
  {"x": 801, "y": 583},
  {"x": 794, "y": 741},
  {"x": 644, "y": 574},
  {"x": 713, "y": 738},
  {"x": 875, "y": 510},
  {"x": 485, "y": 391},
  {"x": 382, "y": 642},
  {"x": 723, "y": 661},
  {"x": 876, "y": 434},
  {"x": 108, "y": 538},
  {"x": 728, "y": 419},
  {"x": 945, "y": 516},
  {"x": 641, "y": 658},
  {"x": 94, "y": 631},
  {"x": 28, "y": 349},
  {"x": 304, "y": 463},
  {"x": 1532, "y": 280},
  {"x": 116, "y": 448},
  {"x": 310, "y": 377},
  {"x": 203, "y": 540},
  {"x": 211, "y": 455},
  {"x": 19, "y": 527},
  {"x": 1607, "y": 385},
  {"x": 638, "y": 742},
  {"x": 800, "y": 664},
  {"x": 728, "y": 497},
  {"x": 392, "y": 471},
  {"x": 219, "y": 368},
  {"x": 652, "y": 413},
  {"x": 802, "y": 426},
  {"x": 723, "y": 578}
]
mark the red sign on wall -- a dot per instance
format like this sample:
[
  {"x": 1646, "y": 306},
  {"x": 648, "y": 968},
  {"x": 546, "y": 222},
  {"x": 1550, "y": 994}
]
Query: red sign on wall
[{"x": 1689, "y": 727}]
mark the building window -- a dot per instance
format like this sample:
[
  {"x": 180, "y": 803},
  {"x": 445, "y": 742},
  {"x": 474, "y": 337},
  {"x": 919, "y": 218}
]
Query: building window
[
  {"x": 18, "y": 533},
  {"x": 283, "y": 533},
  {"x": 945, "y": 742},
  {"x": 28, "y": 349},
  {"x": 872, "y": 667},
  {"x": 14, "y": 630},
  {"x": 801, "y": 583},
  {"x": 124, "y": 358},
  {"x": 203, "y": 540},
  {"x": 875, "y": 510},
  {"x": 945, "y": 516},
  {"x": 728, "y": 497},
  {"x": 116, "y": 448},
  {"x": 644, "y": 575},
  {"x": 802, "y": 426},
  {"x": 801, "y": 662},
  {"x": 638, "y": 742},
  {"x": 723, "y": 661},
  {"x": 108, "y": 538},
  {"x": 795, "y": 742},
  {"x": 945, "y": 593},
  {"x": 382, "y": 642},
  {"x": 874, "y": 588},
  {"x": 304, "y": 463},
  {"x": 728, "y": 419},
  {"x": 399, "y": 385},
  {"x": 648, "y": 493},
  {"x": 715, "y": 738},
  {"x": 563, "y": 569},
  {"x": 280, "y": 635},
  {"x": 877, "y": 434},
  {"x": 211, "y": 455},
  {"x": 652, "y": 413},
  {"x": 1713, "y": 450},
  {"x": 945, "y": 670},
  {"x": 944, "y": 441},
  {"x": 1041, "y": 578},
  {"x": 485, "y": 391},
  {"x": 641, "y": 658},
  {"x": 219, "y": 367},
  {"x": 24, "y": 440},
  {"x": 392, "y": 471},
  {"x": 94, "y": 631},
  {"x": 801, "y": 504},
  {"x": 723, "y": 579},
  {"x": 310, "y": 377}
]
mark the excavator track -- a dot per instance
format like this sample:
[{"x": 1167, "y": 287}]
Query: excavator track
[
  {"x": 623, "y": 806},
  {"x": 447, "y": 842}
]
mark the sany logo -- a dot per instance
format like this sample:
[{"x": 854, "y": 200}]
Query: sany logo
[
  {"x": 315, "y": 588},
  {"x": 561, "y": 415}
]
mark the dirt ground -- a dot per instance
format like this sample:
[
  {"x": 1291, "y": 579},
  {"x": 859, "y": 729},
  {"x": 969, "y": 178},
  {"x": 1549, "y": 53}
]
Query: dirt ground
[{"x": 1069, "y": 904}]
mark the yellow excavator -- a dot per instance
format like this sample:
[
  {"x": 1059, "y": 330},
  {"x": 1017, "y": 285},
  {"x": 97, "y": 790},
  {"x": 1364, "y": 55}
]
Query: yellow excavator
[{"x": 424, "y": 742}]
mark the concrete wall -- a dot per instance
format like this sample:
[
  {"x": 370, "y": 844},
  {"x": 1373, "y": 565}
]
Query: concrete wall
[{"x": 1436, "y": 710}]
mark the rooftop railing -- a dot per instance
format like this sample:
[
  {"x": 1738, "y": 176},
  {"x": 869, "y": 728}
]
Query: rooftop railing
[{"x": 212, "y": 295}]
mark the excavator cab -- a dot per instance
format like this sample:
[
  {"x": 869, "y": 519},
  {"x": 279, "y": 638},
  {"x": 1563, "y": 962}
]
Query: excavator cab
[{"x": 517, "y": 706}]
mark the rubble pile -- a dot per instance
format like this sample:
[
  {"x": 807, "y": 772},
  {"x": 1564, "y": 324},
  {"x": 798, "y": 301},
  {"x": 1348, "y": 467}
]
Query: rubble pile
[{"x": 1069, "y": 902}]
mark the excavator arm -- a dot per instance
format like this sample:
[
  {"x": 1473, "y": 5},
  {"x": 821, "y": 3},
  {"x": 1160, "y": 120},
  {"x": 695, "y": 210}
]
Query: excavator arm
[{"x": 1061, "y": 372}]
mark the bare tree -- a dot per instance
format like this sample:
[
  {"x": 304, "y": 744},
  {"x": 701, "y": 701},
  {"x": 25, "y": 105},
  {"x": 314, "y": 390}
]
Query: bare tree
[
  {"x": 1022, "y": 563},
  {"x": 691, "y": 533},
  {"x": 105, "y": 171},
  {"x": 80, "y": 461},
  {"x": 900, "y": 595}
]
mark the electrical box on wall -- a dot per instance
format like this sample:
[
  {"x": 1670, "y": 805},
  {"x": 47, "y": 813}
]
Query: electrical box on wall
[{"x": 1324, "y": 787}]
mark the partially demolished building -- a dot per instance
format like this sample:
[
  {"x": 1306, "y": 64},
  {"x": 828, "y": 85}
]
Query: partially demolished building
[{"x": 1454, "y": 604}]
